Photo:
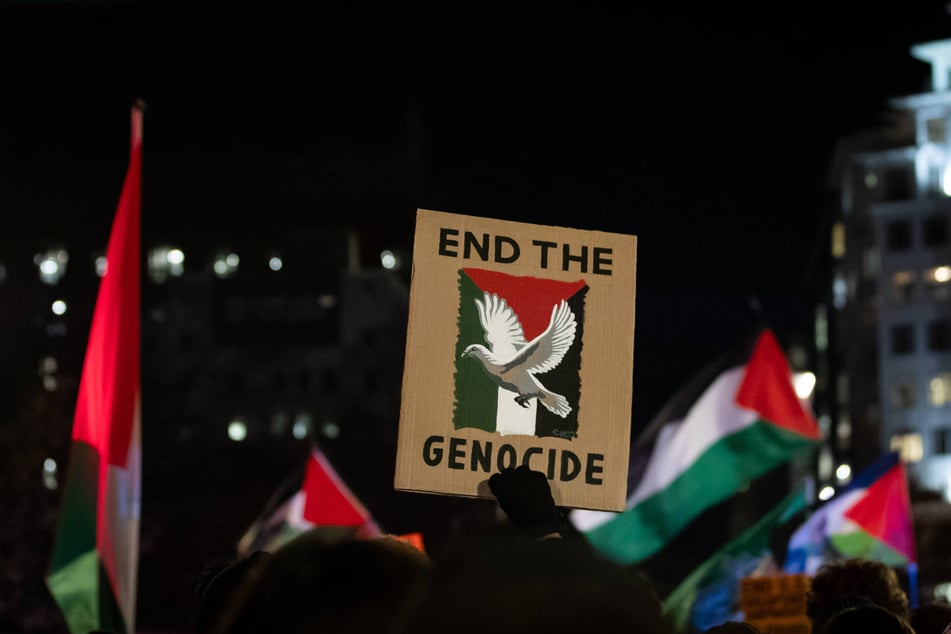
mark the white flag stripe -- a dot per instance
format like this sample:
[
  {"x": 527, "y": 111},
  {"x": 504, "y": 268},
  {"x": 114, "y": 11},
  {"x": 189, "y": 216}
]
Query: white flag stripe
[{"x": 714, "y": 416}]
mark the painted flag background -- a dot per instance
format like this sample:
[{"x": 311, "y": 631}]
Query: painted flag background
[
  {"x": 737, "y": 420},
  {"x": 94, "y": 563},
  {"x": 870, "y": 518},
  {"x": 319, "y": 497},
  {"x": 481, "y": 404}
]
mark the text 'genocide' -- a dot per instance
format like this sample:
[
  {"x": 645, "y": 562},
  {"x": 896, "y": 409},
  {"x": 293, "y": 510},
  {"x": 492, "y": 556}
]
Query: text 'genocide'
[
  {"x": 505, "y": 250},
  {"x": 560, "y": 464}
]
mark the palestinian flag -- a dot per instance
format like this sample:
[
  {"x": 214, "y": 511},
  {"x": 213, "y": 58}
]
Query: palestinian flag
[
  {"x": 737, "y": 420},
  {"x": 710, "y": 595},
  {"x": 869, "y": 519},
  {"x": 481, "y": 403},
  {"x": 318, "y": 498},
  {"x": 94, "y": 563}
]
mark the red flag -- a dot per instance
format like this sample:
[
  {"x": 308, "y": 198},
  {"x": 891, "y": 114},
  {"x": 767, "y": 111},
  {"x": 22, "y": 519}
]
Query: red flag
[
  {"x": 321, "y": 498},
  {"x": 95, "y": 557}
]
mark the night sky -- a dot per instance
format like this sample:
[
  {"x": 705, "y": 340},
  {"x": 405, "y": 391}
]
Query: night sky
[{"x": 705, "y": 130}]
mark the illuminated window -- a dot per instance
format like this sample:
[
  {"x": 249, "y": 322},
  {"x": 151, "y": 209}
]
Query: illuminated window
[
  {"x": 908, "y": 445},
  {"x": 822, "y": 328},
  {"x": 898, "y": 235},
  {"x": 840, "y": 291},
  {"x": 942, "y": 441},
  {"x": 838, "y": 240},
  {"x": 903, "y": 394},
  {"x": 902, "y": 339},
  {"x": 903, "y": 286},
  {"x": 939, "y": 335},
  {"x": 935, "y": 231},
  {"x": 939, "y": 389},
  {"x": 937, "y": 282},
  {"x": 824, "y": 464}
]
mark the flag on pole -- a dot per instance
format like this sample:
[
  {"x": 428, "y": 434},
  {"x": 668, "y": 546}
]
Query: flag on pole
[
  {"x": 92, "y": 574},
  {"x": 734, "y": 422},
  {"x": 321, "y": 499},
  {"x": 709, "y": 596},
  {"x": 870, "y": 518}
]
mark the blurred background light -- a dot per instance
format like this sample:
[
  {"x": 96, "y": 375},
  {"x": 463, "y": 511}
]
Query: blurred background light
[
  {"x": 226, "y": 264},
  {"x": 301, "y": 426},
  {"x": 101, "y": 265},
  {"x": 826, "y": 493},
  {"x": 804, "y": 383},
  {"x": 52, "y": 265},
  {"x": 388, "y": 260},
  {"x": 330, "y": 429},
  {"x": 237, "y": 430},
  {"x": 50, "y": 469},
  {"x": 275, "y": 263},
  {"x": 843, "y": 472},
  {"x": 58, "y": 307}
]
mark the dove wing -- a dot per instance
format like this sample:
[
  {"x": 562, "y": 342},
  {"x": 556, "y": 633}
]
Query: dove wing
[
  {"x": 548, "y": 349},
  {"x": 503, "y": 331}
]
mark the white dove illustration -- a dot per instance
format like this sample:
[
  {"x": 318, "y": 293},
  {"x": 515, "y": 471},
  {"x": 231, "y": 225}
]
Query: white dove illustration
[{"x": 512, "y": 362}]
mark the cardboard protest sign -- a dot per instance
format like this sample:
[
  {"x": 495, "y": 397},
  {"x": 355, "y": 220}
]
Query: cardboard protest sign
[
  {"x": 776, "y": 604},
  {"x": 519, "y": 351}
]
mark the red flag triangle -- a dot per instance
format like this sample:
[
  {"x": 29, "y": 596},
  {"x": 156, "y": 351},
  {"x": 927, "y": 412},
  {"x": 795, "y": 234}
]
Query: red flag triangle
[
  {"x": 327, "y": 500},
  {"x": 885, "y": 512},
  {"x": 768, "y": 390}
]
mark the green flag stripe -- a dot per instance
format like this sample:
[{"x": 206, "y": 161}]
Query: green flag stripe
[
  {"x": 76, "y": 523},
  {"x": 864, "y": 545},
  {"x": 476, "y": 397},
  {"x": 724, "y": 468},
  {"x": 75, "y": 588}
]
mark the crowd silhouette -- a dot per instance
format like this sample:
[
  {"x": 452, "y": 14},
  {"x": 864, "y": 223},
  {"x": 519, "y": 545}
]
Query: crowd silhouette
[{"x": 540, "y": 577}]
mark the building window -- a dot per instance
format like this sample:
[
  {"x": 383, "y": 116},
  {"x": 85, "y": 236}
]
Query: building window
[
  {"x": 903, "y": 287},
  {"x": 908, "y": 445},
  {"x": 903, "y": 394},
  {"x": 898, "y": 183},
  {"x": 939, "y": 335},
  {"x": 939, "y": 389},
  {"x": 903, "y": 339},
  {"x": 840, "y": 291},
  {"x": 942, "y": 441},
  {"x": 936, "y": 130},
  {"x": 838, "y": 240},
  {"x": 935, "y": 231},
  {"x": 871, "y": 263},
  {"x": 843, "y": 433},
  {"x": 898, "y": 235},
  {"x": 937, "y": 282}
]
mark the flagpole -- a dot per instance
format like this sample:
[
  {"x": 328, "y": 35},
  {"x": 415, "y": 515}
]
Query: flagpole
[{"x": 912, "y": 585}]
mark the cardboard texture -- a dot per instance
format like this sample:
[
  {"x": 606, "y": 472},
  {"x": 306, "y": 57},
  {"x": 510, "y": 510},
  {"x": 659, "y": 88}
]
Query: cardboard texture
[{"x": 519, "y": 350}]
